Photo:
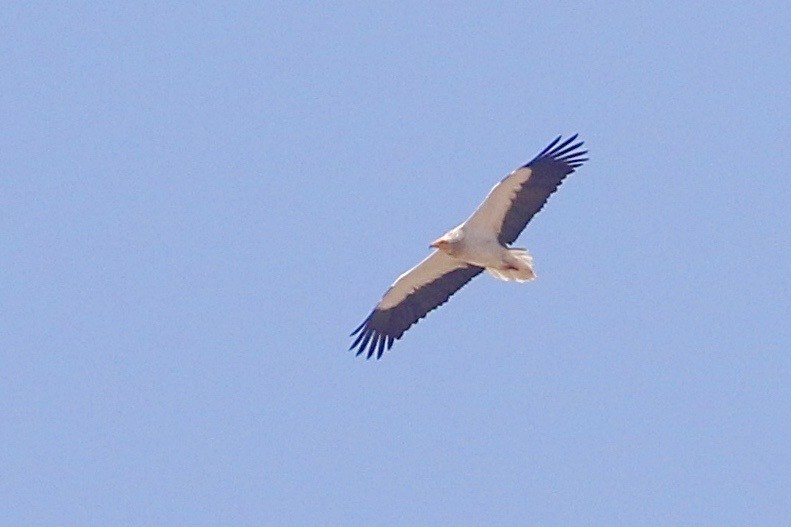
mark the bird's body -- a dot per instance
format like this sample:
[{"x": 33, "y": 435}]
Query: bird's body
[
  {"x": 476, "y": 246},
  {"x": 480, "y": 243}
]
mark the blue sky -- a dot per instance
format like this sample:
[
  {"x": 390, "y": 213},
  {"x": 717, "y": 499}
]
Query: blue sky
[{"x": 199, "y": 203}]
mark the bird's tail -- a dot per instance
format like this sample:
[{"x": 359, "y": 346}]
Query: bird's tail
[{"x": 518, "y": 268}]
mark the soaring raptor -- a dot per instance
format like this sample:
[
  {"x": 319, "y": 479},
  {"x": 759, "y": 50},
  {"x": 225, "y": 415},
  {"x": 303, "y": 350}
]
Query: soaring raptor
[{"x": 480, "y": 243}]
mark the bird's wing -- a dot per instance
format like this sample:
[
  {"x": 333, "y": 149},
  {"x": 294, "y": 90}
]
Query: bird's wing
[
  {"x": 512, "y": 202},
  {"x": 426, "y": 286}
]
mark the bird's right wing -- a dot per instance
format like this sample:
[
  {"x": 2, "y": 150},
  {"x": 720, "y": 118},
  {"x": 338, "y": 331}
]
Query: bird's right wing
[{"x": 423, "y": 288}]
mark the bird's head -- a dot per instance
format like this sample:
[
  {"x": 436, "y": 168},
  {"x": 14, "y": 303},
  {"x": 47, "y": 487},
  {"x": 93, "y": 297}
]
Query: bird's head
[
  {"x": 442, "y": 244},
  {"x": 447, "y": 242}
]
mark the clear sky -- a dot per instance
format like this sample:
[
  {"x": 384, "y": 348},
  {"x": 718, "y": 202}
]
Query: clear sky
[{"x": 199, "y": 202}]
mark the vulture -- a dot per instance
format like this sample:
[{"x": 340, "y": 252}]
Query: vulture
[{"x": 481, "y": 243}]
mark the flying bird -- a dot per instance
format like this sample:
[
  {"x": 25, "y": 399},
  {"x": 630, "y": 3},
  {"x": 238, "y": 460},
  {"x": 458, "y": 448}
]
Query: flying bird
[{"x": 480, "y": 243}]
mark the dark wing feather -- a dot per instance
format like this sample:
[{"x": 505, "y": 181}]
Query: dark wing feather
[
  {"x": 548, "y": 169},
  {"x": 384, "y": 326}
]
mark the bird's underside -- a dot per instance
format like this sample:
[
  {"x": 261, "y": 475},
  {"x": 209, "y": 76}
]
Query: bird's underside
[
  {"x": 481, "y": 248},
  {"x": 480, "y": 243}
]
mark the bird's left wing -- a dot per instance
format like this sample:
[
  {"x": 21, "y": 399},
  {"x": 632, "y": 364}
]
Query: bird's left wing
[
  {"x": 512, "y": 203},
  {"x": 423, "y": 288}
]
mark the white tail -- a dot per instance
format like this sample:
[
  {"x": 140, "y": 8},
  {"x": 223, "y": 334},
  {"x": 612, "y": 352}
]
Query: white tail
[{"x": 519, "y": 268}]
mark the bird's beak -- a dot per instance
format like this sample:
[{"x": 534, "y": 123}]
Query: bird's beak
[{"x": 435, "y": 243}]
